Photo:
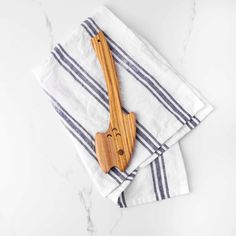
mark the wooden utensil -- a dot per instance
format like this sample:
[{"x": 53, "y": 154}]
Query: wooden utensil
[{"x": 115, "y": 146}]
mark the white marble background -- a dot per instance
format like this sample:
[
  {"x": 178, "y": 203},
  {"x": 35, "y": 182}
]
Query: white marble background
[{"x": 44, "y": 190}]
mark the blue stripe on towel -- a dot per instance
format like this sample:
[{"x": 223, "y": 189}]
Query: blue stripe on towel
[
  {"x": 101, "y": 98},
  {"x": 145, "y": 78}
]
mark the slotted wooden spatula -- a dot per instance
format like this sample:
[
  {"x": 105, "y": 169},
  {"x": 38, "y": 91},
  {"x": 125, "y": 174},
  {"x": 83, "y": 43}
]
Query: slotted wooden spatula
[{"x": 115, "y": 146}]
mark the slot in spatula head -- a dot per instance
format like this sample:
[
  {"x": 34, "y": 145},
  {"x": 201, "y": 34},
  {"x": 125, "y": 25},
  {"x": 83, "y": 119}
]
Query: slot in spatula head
[{"x": 115, "y": 146}]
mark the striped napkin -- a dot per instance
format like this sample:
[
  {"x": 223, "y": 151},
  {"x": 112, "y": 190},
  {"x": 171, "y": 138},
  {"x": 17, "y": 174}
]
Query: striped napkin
[{"x": 166, "y": 108}]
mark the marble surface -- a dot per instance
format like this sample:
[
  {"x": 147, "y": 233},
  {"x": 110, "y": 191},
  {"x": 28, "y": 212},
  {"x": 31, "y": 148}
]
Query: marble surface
[{"x": 44, "y": 189}]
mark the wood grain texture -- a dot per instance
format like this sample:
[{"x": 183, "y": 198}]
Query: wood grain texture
[{"x": 115, "y": 146}]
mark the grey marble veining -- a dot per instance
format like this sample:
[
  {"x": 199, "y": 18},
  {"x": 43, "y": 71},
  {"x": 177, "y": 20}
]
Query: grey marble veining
[
  {"x": 190, "y": 28},
  {"x": 86, "y": 201},
  {"x": 47, "y": 22}
]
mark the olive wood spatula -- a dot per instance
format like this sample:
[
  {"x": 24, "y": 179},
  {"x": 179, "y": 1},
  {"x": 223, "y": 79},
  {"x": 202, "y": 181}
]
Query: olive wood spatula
[{"x": 115, "y": 146}]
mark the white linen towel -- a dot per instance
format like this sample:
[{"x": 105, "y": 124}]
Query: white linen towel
[{"x": 166, "y": 108}]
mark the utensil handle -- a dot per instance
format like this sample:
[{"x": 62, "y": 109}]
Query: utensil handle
[{"x": 106, "y": 60}]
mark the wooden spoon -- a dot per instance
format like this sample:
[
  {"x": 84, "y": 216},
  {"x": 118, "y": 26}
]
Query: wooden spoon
[{"x": 115, "y": 146}]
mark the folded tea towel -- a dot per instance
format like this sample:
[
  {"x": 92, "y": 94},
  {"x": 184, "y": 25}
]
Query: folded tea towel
[{"x": 166, "y": 108}]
